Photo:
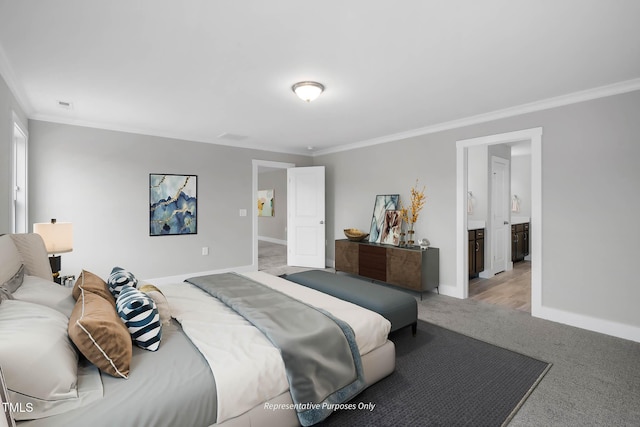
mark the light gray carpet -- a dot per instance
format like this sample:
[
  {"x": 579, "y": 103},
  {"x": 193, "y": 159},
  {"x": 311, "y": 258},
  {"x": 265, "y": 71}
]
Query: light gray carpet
[{"x": 594, "y": 380}]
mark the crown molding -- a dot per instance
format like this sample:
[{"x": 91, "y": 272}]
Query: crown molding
[{"x": 545, "y": 104}]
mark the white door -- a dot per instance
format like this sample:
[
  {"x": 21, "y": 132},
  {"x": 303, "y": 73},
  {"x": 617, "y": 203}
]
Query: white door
[
  {"x": 500, "y": 227},
  {"x": 305, "y": 209}
]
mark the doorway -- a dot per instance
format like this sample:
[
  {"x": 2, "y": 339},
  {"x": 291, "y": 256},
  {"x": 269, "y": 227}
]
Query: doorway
[
  {"x": 534, "y": 137},
  {"x": 277, "y": 246}
]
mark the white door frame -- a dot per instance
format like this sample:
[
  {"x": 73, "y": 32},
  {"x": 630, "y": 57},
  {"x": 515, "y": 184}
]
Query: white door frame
[
  {"x": 534, "y": 136},
  {"x": 256, "y": 164}
]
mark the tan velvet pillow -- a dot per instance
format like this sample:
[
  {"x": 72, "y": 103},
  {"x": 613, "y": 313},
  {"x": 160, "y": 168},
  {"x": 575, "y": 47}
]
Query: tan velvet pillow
[
  {"x": 94, "y": 284},
  {"x": 161, "y": 301},
  {"x": 96, "y": 329}
]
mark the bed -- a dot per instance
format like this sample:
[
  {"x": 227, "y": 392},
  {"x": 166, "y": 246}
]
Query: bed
[{"x": 212, "y": 366}]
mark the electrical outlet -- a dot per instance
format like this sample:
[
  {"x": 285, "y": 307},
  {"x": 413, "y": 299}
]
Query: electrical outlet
[
  {"x": 205, "y": 250},
  {"x": 243, "y": 212}
]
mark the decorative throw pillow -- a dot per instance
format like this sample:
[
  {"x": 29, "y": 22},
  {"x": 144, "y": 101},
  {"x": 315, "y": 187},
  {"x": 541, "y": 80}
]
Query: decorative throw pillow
[
  {"x": 38, "y": 361},
  {"x": 118, "y": 278},
  {"x": 92, "y": 283},
  {"x": 15, "y": 281},
  {"x": 100, "y": 335},
  {"x": 161, "y": 301},
  {"x": 11, "y": 258},
  {"x": 5, "y": 294},
  {"x": 139, "y": 312},
  {"x": 10, "y": 286}
]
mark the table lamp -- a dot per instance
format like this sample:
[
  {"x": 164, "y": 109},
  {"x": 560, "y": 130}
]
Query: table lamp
[{"x": 58, "y": 239}]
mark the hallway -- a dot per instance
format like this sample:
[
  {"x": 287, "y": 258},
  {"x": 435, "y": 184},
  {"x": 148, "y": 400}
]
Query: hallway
[
  {"x": 508, "y": 289},
  {"x": 272, "y": 259}
]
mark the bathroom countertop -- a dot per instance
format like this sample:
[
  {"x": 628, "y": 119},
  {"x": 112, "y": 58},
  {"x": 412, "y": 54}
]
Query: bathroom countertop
[
  {"x": 475, "y": 224},
  {"x": 520, "y": 220}
]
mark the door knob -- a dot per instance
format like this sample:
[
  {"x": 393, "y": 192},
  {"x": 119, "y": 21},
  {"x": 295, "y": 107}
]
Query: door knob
[
  {"x": 321, "y": 222},
  {"x": 506, "y": 223}
]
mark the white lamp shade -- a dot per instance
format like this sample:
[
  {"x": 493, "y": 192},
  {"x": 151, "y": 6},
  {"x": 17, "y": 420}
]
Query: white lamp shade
[
  {"x": 308, "y": 91},
  {"x": 58, "y": 236}
]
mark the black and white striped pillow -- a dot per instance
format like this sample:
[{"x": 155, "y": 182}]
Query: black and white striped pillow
[
  {"x": 118, "y": 278},
  {"x": 140, "y": 314}
]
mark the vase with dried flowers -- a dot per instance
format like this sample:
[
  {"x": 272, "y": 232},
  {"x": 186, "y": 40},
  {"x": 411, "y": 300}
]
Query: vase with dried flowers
[{"x": 410, "y": 215}]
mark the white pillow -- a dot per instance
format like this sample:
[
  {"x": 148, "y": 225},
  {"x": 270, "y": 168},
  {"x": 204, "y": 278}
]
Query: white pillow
[
  {"x": 45, "y": 292},
  {"x": 39, "y": 362},
  {"x": 11, "y": 259}
]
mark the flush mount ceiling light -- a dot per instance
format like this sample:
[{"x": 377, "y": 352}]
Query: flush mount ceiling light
[{"x": 307, "y": 91}]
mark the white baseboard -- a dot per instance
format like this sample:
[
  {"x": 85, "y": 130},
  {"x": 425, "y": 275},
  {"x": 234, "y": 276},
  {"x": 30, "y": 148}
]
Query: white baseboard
[
  {"x": 272, "y": 240},
  {"x": 450, "y": 291},
  {"x": 486, "y": 274},
  {"x": 608, "y": 327}
]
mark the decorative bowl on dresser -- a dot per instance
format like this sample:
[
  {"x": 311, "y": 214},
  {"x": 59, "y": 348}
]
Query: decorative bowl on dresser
[{"x": 355, "y": 235}]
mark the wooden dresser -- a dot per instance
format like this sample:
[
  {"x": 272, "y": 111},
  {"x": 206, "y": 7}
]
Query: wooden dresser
[{"x": 410, "y": 268}]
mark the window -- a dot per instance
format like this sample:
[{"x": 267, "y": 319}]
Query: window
[{"x": 20, "y": 218}]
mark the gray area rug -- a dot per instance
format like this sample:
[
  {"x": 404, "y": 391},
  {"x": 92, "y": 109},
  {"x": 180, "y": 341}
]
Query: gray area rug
[{"x": 444, "y": 378}]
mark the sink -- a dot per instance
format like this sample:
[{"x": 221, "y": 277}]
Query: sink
[{"x": 473, "y": 224}]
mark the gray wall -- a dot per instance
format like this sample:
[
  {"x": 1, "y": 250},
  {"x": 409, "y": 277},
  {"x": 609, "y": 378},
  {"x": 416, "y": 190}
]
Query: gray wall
[
  {"x": 590, "y": 153},
  {"x": 274, "y": 228},
  {"x": 521, "y": 183},
  {"x": 98, "y": 180},
  {"x": 8, "y": 105},
  {"x": 478, "y": 182}
]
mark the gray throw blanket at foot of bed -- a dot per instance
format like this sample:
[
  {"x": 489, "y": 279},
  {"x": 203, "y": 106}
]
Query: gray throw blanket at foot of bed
[{"x": 320, "y": 354}]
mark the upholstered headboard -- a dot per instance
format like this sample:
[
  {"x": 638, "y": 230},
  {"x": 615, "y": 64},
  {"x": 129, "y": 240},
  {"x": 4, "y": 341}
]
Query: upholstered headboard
[{"x": 29, "y": 249}]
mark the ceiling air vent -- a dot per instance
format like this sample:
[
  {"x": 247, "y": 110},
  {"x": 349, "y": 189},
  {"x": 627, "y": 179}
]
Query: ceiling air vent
[{"x": 65, "y": 104}]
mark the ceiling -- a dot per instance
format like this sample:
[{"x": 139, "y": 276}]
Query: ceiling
[{"x": 199, "y": 69}]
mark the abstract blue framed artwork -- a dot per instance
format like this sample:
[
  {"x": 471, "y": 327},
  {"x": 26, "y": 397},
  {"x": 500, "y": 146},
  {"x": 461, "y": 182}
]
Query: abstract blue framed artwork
[
  {"x": 384, "y": 203},
  {"x": 173, "y": 204}
]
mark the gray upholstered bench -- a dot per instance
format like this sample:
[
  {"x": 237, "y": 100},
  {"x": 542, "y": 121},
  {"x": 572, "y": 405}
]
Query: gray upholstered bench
[{"x": 394, "y": 305}]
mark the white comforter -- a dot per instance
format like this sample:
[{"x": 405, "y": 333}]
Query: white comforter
[{"x": 248, "y": 369}]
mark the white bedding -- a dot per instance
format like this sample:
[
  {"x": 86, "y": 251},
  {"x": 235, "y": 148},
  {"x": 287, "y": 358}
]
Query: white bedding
[{"x": 247, "y": 368}]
